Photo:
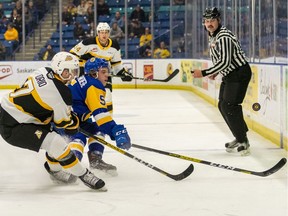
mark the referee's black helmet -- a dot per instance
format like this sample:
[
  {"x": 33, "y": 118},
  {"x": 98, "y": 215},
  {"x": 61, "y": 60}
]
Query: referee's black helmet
[{"x": 211, "y": 13}]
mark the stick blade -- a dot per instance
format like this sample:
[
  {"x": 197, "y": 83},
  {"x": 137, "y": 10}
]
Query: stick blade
[
  {"x": 275, "y": 168},
  {"x": 184, "y": 174},
  {"x": 171, "y": 76}
]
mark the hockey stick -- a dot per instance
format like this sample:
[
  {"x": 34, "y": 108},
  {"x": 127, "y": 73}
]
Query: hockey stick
[
  {"x": 178, "y": 177},
  {"x": 265, "y": 173},
  {"x": 172, "y": 75}
]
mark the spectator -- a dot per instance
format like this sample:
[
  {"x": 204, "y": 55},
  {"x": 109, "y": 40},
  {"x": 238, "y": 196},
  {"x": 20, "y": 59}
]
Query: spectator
[
  {"x": 119, "y": 19},
  {"x": 145, "y": 43},
  {"x": 82, "y": 8},
  {"x": 11, "y": 34},
  {"x": 181, "y": 46},
  {"x": 102, "y": 8},
  {"x": 91, "y": 31},
  {"x": 28, "y": 20},
  {"x": 3, "y": 24},
  {"x": 78, "y": 31},
  {"x": 90, "y": 15},
  {"x": 47, "y": 54},
  {"x": 18, "y": 26},
  {"x": 72, "y": 9},
  {"x": 76, "y": 2},
  {"x": 13, "y": 15},
  {"x": 135, "y": 29},
  {"x": 138, "y": 14},
  {"x": 33, "y": 10},
  {"x": 1, "y": 11},
  {"x": 89, "y": 3},
  {"x": 2, "y": 52},
  {"x": 162, "y": 51},
  {"x": 67, "y": 18},
  {"x": 18, "y": 7},
  {"x": 116, "y": 32}
]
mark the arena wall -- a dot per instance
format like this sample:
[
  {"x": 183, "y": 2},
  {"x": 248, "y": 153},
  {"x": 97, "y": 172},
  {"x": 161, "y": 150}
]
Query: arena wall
[{"x": 268, "y": 87}]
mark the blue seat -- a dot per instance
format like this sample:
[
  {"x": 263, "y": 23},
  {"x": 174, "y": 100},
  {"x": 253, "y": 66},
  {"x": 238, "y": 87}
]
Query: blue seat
[
  {"x": 116, "y": 3},
  {"x": 68, "y": 35},
  {"x": 134, "y": 41},
  {"x": 53, "y": 42},
  {"x": 55, "y": 36},
  {"x": 9, "y": 47},
  {"x": 163, "y": 16},
  {"x": 80, "y": 19},
  {"x": 86, "y": 27},
  {"x": 73, "y": 42},
  {"x": 178, "y": 15},
  {"x": 104, "y": 18},
  {"x": 145, "y": 3},
  {"x": 67, "y": 28}
]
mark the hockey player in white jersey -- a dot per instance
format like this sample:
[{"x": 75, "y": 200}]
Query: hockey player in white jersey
[
  {"x": 102, "y": 46},
  {"x": 26, "y": 115},
  {"x": 88, "y": 94}
]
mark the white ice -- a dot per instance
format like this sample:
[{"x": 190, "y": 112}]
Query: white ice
[{"x": 170, "y": 120}]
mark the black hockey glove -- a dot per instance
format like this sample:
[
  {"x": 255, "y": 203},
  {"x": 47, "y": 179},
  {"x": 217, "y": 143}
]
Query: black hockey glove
[
  {"x": 73, "y": 128},
  {"x": 125, "y": 75}
]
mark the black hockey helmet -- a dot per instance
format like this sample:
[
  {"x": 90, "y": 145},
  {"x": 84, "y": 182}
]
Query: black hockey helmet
[{"x": 211, "y": 13}]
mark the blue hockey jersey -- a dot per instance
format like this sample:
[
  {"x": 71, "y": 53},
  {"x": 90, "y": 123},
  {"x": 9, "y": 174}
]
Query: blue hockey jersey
[{"x": 88, "y": 96}]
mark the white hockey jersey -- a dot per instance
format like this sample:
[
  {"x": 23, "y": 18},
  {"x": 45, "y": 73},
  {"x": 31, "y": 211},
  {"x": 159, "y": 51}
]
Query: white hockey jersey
[
  {"x": 91, "y": 47},
  {"x": 41, "y": 99}
]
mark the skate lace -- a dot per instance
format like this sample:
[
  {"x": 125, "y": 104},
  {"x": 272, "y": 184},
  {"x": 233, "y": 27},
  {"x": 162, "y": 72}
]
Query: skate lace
[{"x": 90, "y": 178}]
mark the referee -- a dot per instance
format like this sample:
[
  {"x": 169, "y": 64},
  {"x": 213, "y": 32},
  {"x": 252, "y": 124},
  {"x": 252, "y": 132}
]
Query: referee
[{"x": 229, "y": 61}]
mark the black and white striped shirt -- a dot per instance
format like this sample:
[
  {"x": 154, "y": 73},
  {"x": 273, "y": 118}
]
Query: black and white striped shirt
[{"x": 225, "y": 52}]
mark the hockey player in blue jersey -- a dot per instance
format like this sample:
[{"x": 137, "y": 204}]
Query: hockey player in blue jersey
[{"x": 88, "y": 94}]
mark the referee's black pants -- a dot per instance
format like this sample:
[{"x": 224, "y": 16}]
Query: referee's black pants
[{"x": 232, "y": 92}]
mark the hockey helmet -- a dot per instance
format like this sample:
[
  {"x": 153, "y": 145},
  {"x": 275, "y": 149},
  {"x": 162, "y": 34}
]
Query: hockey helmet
[
  {"x": 65, "y": 60},
  {"x": 93, "y": 65},
  {"x": 103, "y": 26},
  {"x": 211, "y": 13}
]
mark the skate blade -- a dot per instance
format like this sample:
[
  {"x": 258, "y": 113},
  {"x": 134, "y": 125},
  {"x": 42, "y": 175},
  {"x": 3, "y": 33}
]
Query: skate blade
[
  {"x": 230, "y": 150},
  {"x": 245, "y": 152},
  {"x": 112, "y": 173},
  {"x": 59, "y": 182},
  {"x": 103, "y": 189}
]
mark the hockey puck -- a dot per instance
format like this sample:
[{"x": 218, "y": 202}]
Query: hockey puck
[{"x": 256, "y": 106}]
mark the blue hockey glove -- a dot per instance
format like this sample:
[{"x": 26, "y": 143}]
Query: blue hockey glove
[
  {"x": 125, "y": 75},
  {"x": 121, "y": 137}
]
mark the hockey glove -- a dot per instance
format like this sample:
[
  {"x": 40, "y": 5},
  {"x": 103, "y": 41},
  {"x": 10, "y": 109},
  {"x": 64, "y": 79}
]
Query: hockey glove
[
  {"x": 125, "y": 75},
  {"x": 73, "y": 127},
  {"x": 121, "y": 137}
]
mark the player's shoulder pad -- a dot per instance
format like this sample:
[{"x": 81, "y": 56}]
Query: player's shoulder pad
[
  {"x": 115, "y": 44},
  {"x": 89, "y": 41}
]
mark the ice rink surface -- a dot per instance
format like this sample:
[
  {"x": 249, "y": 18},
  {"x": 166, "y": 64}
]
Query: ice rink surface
[{"x": 170, "y": 120}]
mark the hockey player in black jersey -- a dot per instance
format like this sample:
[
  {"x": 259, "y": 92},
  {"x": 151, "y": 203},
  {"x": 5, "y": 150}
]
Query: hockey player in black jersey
[
  {"x": 26, "y": 115},
  {"x": 102, "y": 46},
  {"x": 230, "y": 62}
]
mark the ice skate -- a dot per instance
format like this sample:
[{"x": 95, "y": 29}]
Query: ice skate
[
  {"x": 243, "y": 148},
  {"x": 90, "y": 180},
  {"x": 230, "y": 146},
  {"x": 96, "y": 162},
  {"x": 60, "y": 177}
]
